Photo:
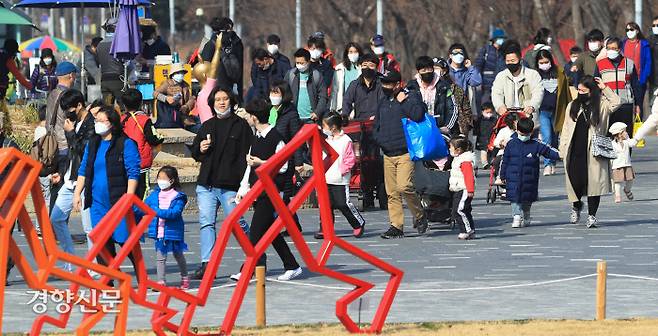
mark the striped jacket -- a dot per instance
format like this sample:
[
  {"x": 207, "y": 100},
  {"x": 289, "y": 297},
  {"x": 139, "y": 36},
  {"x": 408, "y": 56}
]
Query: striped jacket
[{"x": 619, "y": 78}]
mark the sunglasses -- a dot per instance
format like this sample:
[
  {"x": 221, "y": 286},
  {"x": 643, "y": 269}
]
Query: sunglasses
[
  {"x": 631, "y": 29},
  {"x": 656, "y": 26}
]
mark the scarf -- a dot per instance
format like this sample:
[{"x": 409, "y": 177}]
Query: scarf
[{"x": 164, "y": 201}]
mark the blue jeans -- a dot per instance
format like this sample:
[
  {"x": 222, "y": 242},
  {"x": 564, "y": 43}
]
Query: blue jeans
[
  {"x": 209, "y": 200},
  {"x": 521, "y": 209},
  {"x": 59, "y": 217},
  {"x": 546, "y": 130}
]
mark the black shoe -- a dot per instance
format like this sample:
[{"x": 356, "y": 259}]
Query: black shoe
[
  {"x": 318, "y": 235},
  {"x": 392, "y": 233},
  {"x": 421, "y": 225},
  {"x": 198, "y": 274}
]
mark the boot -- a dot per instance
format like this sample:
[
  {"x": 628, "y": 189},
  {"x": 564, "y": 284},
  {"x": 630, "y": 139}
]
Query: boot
[{"x": 198, "y": 274}]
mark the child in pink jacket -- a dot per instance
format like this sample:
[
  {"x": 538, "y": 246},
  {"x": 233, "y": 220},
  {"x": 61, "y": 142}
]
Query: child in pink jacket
[{"x": 338, "y": 175}]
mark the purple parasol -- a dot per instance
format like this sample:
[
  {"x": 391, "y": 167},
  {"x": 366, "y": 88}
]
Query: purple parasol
[{"x": 127, "y": 42}]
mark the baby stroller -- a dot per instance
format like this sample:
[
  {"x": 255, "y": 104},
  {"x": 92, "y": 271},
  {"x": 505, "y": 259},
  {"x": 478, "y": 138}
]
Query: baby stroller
[
  {"x": 497, "y": 189},
  {"x": 368, "y": 159},
  {"x": 432, "y": 186}
]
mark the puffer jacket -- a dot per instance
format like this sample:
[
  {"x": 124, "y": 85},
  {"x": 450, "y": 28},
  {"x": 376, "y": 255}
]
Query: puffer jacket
[
  {"x": 520, "y": 168},
  {"x": 174, "y": 224},
  {"x": 490, "y": 62},
  {"x": 388, "y": 131}
]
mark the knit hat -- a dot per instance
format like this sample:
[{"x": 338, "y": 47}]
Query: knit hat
[
  {"x": 617, "y": 128},
  {"x": 65, "y": 68},
  {"x": 392, "y": 77}
]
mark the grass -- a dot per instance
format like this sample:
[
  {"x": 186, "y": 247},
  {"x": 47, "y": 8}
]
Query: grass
[{"x": 632, "y": 327}]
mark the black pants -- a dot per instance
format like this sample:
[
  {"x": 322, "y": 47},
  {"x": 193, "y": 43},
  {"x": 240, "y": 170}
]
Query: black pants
[
  {"x": 141, "y": 185},
  {"x": 262, "y": 220},
  {"x": 111, "y": 90},
  {"x": 109, "y": 245},
  {"x": 461, "y": 211},
  {"x": 624, "y": 114},
  {"x": 339, "y": 200},
  {"x": 592, "y": 204},
  {"x": 288, "y": 193}
]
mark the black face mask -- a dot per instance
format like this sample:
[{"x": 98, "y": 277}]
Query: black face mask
[
  {"x": 368, "y": 73},
  {"x": 513, "y": 67},
  {"x": 427, "y": 77},
  {"x": 583, "y": 97},
  {"x": 389, "y": 92}
]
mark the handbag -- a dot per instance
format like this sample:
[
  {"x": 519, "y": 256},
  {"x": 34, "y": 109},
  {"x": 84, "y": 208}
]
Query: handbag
[
  {"x": 424, "y": 140},
  {"x": 602, "y": 147},
  {"x": 636, "y": 126}
]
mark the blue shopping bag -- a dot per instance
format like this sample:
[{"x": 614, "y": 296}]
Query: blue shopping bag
[{"x": 424, "y": 140}]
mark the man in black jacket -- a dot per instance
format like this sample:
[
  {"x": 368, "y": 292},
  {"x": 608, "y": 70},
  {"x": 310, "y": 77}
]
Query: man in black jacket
[
  {"x": 221, "y": 145},
  {"x": 398, "y": 167},
  {"x": 111, "y": 68},
  {"x": 229, "y": 71},
  {"x": 364, "y": 94},
  {"x": 309, "y": 92},
  {"x": 79, "y": 128},
  {"x": 266, "y": 70}
]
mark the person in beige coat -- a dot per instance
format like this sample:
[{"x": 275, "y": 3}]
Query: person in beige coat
[
  {"x": 588, "y": 115},
  {"x": 517, "y": 87}
]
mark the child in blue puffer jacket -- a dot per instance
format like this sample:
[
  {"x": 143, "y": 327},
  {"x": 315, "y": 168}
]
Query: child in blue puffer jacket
[
  {"x": 520, "y": 170},
  {"x": 167, "y": 229}
]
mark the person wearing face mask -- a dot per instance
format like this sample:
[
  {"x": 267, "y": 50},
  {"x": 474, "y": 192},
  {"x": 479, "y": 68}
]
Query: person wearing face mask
[
  {"x": 43, "y": 77},
  {"x": 363, "y": 95},
  {"x": 520, "y": 170},
  {"x": 637, "y": 48},
  {"x": 443, "y": 98},
  {"x": 109, "y": 170},
  {"x": 541, "y": 41},
  {"x": 398, "y": 167},
  {"x": 175, "y": 100},
  {"x": 570, "y": 69},
  {"x": 587, "y": 175},
  {"x": 153, "y": 45},
  {"x": 490, "y": 62},
  {"x": 518, "y": 87},
  {"x": 620, "y": 74},
  {"x": 586, "y": 62},
  {"x": 387, "y": 61},
  {"x": 462, "y": 71},
  {"x": 273, "y": 42},
  {"x": 308, "y": 89},
  {"x": 91, "y": 61},
  {"x": 267, "y": 70},
  {"x": 554, "y": 102},
  {"x": 346, "y": 72},
  {"x": 221, "y": 146},
  {"x": 111, "y": 68},
  {"x": 322, "y": 59}
]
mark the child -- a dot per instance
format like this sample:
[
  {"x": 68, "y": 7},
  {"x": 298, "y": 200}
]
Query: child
[
  {"x": 168, "y": 228},
  {"x": 503, "y": 136},
  {"x": 462, "y": 186},
  {"x": 338, "y": 175},
  {"x": 264, "y": 144},
  {"x": 570, "y": 69},
  {"x": 622, "y": 170},
  {"x": 520, "y": 170},
  {"x": 483, "y": 128}
]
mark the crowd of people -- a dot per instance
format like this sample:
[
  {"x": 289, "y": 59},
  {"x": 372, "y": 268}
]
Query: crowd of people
[{"x": 504, "y": 110}]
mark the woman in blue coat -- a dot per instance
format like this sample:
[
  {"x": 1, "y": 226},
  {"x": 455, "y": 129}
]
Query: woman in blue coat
[
  {"x": 637, "y": 48},
  {"x": 520, "y": 170},
  {"x": 168, "y": 228}
]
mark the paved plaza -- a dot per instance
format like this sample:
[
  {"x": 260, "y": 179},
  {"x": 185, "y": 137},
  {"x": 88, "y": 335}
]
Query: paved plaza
[{"x": 541, "y": 271}]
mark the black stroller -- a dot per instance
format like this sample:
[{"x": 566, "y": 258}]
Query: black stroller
[{"x": 432, "y": 185}]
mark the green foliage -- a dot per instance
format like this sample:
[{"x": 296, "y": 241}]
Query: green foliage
[{"x": 23, "y": 141}]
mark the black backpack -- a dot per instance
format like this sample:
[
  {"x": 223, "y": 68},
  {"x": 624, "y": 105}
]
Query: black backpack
[{"x": 230, "y": 60}]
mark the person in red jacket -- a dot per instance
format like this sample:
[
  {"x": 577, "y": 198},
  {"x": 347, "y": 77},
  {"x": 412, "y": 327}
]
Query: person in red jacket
[
  {"x": 139, "y": 127},
  {"x": 387, "y": 61},
  {"x": 8, "y": 65},
  {"x": 462, "y": 186}
]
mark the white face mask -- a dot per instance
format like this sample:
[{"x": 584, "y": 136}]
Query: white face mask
[
  {"x": 457, "y": 58},
  {"x": 272, "y": 48},
  {"x": 222, "y": 114},
  {"x": 631, "y": 34},
  {"x": 573, "y": 59},
  {"x": 101, "y": 128},
  {"x": 593, "y": 46},
  {"x": 275, "y": 100},
  {"x": 378, "y": 50},
  {"x": 523, "y": 138},
  {"x": 549, "y": 40},
  {"x": 150, "y": 41},
  {"x": 164, "y": 184},
  {"x": 47, "y": 61},
  {"x": 353, "y": 57},
  {"x": 613, "y": 54},
  {"x": 316, "y": 53},
  {"x": 499, "y": 41},
  {"x": 327, "y": 132},
  {"x": 544, "y": 66},
  {"x": 302, "y": 68},
  {"x": 178, "y": 77},
  {"x": 654, "y": 30}
]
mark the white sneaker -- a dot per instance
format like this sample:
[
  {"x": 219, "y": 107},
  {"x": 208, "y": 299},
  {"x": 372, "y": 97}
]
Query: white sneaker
[
  {"x": 548, "y": 170},
  {"x": 236, "y": 277},
  {"x": 290, "y": 274},
  {"x": 517, "y": 221},
  {"x": 575, "y": 216},
  {"x": 592, "y": 222}
]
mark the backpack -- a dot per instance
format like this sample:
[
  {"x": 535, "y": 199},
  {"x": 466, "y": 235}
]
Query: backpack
[
  {"x": 44, "y": 150},
  {"x": 231, "y": 62}
]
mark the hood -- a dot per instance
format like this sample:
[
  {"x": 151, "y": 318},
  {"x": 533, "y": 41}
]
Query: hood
[{"x": 467, "y": 156}]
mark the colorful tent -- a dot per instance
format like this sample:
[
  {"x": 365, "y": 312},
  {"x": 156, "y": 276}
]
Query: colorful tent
[{"x": 43, "y": 42}]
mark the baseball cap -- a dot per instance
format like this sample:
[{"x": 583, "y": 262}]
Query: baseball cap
[{"x": 65, "y": 68}]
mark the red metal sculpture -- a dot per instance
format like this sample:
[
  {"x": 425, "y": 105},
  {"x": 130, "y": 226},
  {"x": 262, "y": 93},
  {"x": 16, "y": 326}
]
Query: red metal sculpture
[{"x": 22, "y": 179}]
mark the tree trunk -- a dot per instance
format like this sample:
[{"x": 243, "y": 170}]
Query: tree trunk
[
  {"x": 543, "y": 19},
  {"x": 577, "y": 23}
]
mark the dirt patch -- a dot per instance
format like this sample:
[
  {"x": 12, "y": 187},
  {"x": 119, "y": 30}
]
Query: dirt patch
[{"x": 497, "y": 328}]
